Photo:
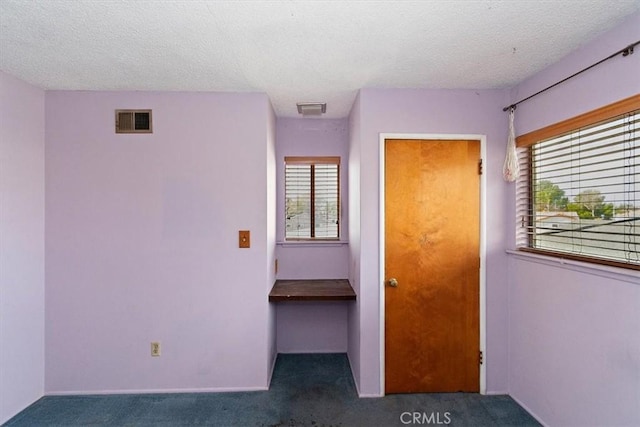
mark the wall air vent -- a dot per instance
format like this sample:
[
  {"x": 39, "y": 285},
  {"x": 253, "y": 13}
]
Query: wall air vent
[{"x": 133, "y": 121}]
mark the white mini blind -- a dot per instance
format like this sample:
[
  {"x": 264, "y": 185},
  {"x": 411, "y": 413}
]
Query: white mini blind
[
  {"x": 579, "y": 193},
  {"x": 312, "y": 198}
]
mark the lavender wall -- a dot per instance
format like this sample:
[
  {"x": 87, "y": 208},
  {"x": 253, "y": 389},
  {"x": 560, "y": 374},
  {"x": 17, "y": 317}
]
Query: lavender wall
[
  {"x": 353, "y": 315},
  {"x": 21, "y": 245},
  {"x": 574, "y": 348},
  {"x": 610, "y": 82},
  {"x": 441, "y": 112},
  {"x": 312, "y": 327},
  {"x": 142, "y": 243},
  {"x": 271, "y": 192},
  {"x": 312, "y": 137}
]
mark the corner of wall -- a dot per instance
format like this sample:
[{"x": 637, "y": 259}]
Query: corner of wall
[
  {"x": 22, "y": 143},
  {"x": 271, "y": 238},
  {"x": 353, "y": 315}
]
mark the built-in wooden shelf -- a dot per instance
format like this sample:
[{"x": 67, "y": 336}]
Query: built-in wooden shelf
[{"x": 312, "y": 290}]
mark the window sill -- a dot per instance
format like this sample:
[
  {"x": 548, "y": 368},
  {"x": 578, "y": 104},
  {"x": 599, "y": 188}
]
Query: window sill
[
  {"x": 615, "y": 273},
  {"x": 306, "y": 243}
]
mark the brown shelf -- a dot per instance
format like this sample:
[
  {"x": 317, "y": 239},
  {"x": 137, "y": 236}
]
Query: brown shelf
[{"x": 312, "y": 290}]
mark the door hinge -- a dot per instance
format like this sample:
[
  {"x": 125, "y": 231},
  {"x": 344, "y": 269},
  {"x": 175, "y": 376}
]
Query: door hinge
[
  {"x": 480, "y": 167},
  {"x": 481, "y": 357}
]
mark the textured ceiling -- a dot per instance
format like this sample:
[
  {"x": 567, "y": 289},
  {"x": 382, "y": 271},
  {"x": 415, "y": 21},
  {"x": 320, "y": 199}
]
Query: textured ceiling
[{"x": 294, "y": 50}]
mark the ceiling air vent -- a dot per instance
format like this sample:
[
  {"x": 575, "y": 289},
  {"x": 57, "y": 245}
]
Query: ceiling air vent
[{"x": 133, "y": 121}]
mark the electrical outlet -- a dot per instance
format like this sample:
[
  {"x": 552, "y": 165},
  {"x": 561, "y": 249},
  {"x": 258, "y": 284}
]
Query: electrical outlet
[{"x": 155, "y": 348}]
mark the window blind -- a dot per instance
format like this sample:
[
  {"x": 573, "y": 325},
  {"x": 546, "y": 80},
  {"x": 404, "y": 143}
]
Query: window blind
[
  {"x": 579, "y": 192},
  {"x": 312, "y": 197}
]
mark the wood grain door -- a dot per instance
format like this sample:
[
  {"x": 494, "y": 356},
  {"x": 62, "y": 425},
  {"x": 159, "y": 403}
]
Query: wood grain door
[{"x": 432, "y": 252}]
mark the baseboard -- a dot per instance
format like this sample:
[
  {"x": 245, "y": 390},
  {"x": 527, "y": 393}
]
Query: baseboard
[
  {"x": 273, "y": 368},
  {"x": 15, "y": 412},
  {"x": 156, "y": 391},
  {"x": 353, "y": 376},
  {"x": 526, "y": 408},
  {"x": 496, "y": 393},
  {"x": 307, "y": 351},
  {"x": 360, "y": 395},
  {"x": 370, "y": 396}
]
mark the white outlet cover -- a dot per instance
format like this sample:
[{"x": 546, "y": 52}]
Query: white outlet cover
[{"x": 155, "y": 348}]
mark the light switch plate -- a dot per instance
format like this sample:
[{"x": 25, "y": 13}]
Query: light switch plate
[{"x": 244, "y": 239}]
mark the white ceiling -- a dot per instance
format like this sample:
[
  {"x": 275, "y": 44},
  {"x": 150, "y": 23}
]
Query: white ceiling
[{"x": 294, "y": 50}]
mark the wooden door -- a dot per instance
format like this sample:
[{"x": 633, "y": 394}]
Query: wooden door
[{"x": 432, "y": 250}]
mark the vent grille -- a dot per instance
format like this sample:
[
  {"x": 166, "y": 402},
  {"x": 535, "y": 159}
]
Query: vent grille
[{"x": 133, "y": 121}]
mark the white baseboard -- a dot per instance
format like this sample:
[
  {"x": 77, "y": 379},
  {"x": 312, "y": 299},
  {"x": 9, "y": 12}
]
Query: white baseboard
[
  {"x": 526, "y": 408},
  {"x": 352, "y": 375},
  {"x": 360, "y": 395},
  {"x": 496, "y": 393},
  {"x": 156, "y": 391},
  {"x": 314, "y": 351},
  {"x": 15, "y": 412},
  {"x": 273, "y": 368}
]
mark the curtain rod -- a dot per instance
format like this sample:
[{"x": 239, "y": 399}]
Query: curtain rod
[{"x": 624, "y": 51}]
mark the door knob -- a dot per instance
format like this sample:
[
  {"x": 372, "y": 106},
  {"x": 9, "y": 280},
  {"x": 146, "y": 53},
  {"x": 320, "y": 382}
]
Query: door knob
[{"x": 393, "y": 282}]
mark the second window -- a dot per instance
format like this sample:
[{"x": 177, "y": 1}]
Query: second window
[{"x": 312, "y": 197}]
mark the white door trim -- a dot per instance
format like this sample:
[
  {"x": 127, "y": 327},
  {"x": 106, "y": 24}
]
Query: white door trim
[{"x": 483, "y": 241}]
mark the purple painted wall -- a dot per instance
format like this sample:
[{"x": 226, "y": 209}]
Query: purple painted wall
[
  {"x": 21, "y": 245},
  {"x": 574, "y": 347},
  {"x": 439, "y": 112},
  {"x": 312, "y": 327},
  {"x": 614, "y": 80},
  {"x": 142, "y": 243},
  {"x": 271, "y": 186},
  {"x": 312, "y": 137},
  {"x": 353, "y": 316}
]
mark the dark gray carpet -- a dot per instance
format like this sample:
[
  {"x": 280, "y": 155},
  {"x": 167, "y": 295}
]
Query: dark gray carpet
[{"x": 306, "y": 390}]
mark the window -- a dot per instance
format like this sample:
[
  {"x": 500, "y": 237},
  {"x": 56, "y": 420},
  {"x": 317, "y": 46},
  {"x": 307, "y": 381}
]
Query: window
[
  {"x": 312, "y": 197},
  {"x": 579, "y": 194}
]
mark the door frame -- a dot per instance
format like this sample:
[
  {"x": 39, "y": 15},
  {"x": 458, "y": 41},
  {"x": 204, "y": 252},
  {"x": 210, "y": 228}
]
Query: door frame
[{"x": 483, "y": 239}]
